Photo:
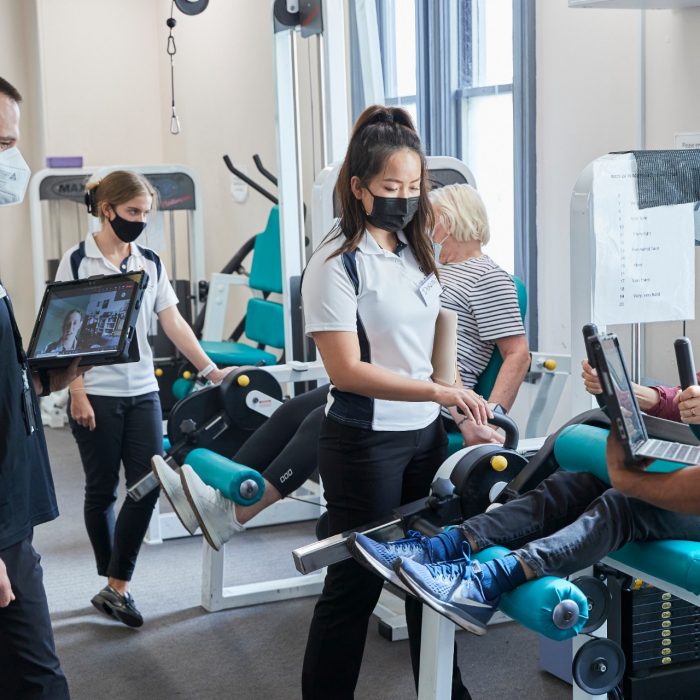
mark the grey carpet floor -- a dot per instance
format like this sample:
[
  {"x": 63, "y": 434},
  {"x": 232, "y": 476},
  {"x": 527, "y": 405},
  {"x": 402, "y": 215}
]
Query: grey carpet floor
[{"x": 182, "y": 651}]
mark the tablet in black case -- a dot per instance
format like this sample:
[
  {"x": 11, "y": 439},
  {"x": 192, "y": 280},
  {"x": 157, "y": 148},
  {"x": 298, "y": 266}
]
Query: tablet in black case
[{"x": 93, "y": 318}]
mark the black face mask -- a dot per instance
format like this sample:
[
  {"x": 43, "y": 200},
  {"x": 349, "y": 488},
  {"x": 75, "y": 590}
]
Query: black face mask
[
  {"x": 392, "y": 213},
  {"x": 127, "y": 231}
]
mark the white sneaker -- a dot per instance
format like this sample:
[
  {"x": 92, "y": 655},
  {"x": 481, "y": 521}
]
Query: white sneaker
[
  {"x": 172, "y": 488},
  {"x": 214, "y": 512}
]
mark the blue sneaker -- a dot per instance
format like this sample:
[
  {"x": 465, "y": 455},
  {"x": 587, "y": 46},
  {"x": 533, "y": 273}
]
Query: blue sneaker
[
  {"x": 380, "y": 556},
  {"x": 451, "y": 588}
]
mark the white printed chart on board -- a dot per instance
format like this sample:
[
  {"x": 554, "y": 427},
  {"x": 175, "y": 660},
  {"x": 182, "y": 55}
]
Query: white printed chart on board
[{"x": 645, "y": 259}]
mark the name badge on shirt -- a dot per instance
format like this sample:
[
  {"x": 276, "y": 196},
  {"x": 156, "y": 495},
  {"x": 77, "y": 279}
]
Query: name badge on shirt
[{"x": 429, "y": 289}]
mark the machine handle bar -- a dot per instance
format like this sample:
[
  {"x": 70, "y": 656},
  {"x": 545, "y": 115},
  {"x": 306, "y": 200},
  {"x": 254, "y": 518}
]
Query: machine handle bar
[
  {"x": 263, "y": 170},
  {"x": 589, "y": 331},
  {"x": 248, "y": 181},
  {"x": 686, "y": 369}
]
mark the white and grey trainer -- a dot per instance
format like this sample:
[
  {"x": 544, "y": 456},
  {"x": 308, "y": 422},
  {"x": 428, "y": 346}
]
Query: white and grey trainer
[
  {"x": 172, "y": 488},
  {"x": 214, "y": 512}
]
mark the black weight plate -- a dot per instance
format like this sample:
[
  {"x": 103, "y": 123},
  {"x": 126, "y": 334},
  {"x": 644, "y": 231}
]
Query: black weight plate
[
  {"x": 234, "y": 395},
  {"x": 598, "y": 601},
  {"x": 475, "y": 477},
  {"x": 191, "y": 7},
  {"x": 598, "y": 666},
  {"x": 283, "y": 16}
]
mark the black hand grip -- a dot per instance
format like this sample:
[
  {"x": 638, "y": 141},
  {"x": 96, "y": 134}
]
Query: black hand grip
[
  {"x": 502, "y": 420},
  {"x": 590, "y": 330},
  {"x": 259, "y": 165},
  {"x": 686, "y": 364},
  {"x": 686, "y": 369}
]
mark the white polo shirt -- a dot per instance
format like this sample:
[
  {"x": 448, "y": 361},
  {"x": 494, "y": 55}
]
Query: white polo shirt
[
  {"x": 132, "y": 378},
  {"x": 393, "y": 313}
]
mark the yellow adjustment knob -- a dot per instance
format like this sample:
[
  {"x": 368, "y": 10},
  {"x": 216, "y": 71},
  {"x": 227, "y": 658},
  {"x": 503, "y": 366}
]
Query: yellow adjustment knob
[
  {"x": 243, "y": 380},
  {"x": 550, "y": 364},
  {"x": 187, "y": 374},
  {"x": 159, "y": 372},
  {"x": 499, "y": 463}
]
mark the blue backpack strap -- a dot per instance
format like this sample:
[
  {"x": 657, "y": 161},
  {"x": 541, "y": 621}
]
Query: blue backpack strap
[
  {"x": 76, "y": 258},
  {"x": 153, "y": 257}
]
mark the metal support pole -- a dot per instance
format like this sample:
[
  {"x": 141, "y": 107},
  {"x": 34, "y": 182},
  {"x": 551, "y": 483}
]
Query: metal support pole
[{"x": 289, "y": 164}]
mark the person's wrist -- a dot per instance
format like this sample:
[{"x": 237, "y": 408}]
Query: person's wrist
[
  {"x": 648, "y": 397},
  {"x": 206, "y": 371}
]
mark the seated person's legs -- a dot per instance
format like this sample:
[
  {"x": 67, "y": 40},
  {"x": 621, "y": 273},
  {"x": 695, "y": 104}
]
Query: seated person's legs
[
  {"x": 290, "y": 467},
  {"x": 560, "y": 527},
  {"x": 610, "y": 521},
  {"x": 283, "y": 449}
]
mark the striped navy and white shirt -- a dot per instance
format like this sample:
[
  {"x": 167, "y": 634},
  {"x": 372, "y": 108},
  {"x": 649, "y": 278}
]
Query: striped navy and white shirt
[{"x": 486, "y": 302}]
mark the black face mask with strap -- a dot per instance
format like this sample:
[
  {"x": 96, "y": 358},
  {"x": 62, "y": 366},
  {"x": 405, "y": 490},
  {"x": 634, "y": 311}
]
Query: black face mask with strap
[
  {"x": 127, "y": 231},
  {"x": 392, "y": 213}
]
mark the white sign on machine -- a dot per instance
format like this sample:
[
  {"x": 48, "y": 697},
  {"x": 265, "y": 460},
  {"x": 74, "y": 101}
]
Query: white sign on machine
[{"x": 644, "y": 258}]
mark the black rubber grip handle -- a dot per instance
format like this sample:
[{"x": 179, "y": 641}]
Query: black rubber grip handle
[
  {"x": 686, "y": 369},
  {"x": 686, "y": 364},
  {"x": 502, "y": 420},
  {"x": 590, "y": 330}
]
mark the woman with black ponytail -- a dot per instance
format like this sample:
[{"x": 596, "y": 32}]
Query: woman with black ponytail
[{"x": 371, "y": 298}]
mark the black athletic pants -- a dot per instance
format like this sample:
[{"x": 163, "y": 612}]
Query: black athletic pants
[
  {"x": 29, "y": 667},
  {"x": 129, "y": 430},
  {"x": 365, "y": 475}
]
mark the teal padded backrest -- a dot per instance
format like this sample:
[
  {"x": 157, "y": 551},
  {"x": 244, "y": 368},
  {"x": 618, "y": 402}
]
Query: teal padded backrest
[
  {"x": 487, "y": 378},
  {"x": 264, "y": 322},
  {"x": 266, "y": 268}
]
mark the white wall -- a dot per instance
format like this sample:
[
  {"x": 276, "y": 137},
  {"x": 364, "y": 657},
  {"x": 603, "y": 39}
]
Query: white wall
[
  {"x": 18, "y": 64},
  {"x": 588, "y": 104},
  {"x": 100, "y": 88}
]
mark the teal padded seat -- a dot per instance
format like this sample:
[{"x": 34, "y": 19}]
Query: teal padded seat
[
  {"x": 581, "y": 448},
  {"x": 487, "y": 378},
  {"x": 264, "y": 323}
]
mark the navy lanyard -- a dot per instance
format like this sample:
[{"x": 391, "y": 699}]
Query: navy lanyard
[{"x": 27, "y": 394}]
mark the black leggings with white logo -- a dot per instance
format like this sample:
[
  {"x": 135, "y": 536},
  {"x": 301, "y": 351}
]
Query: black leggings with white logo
[{"x": 285, "y": 448}]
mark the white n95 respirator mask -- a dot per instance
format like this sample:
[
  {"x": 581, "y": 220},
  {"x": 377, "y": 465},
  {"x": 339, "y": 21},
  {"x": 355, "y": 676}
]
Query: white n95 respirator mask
[{"x": 14, "y": 176}]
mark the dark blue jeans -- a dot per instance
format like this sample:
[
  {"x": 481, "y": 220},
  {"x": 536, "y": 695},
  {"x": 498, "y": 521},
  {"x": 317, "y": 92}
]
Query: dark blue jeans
[
  {"x": 129, "y": 430},
  {"x": 571, "y": 521}
]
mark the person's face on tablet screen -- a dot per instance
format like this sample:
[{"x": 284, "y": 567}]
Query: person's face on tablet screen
[{"x": 72, "y": 324}]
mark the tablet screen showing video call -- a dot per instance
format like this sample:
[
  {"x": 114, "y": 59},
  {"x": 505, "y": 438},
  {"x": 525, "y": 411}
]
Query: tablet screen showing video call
[{"x": 90, "y": 318}]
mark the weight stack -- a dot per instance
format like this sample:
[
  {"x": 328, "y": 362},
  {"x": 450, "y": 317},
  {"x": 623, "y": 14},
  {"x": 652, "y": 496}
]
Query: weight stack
[{"x": 660, "y": 636}]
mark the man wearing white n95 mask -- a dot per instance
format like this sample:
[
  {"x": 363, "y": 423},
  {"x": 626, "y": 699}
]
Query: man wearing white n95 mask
[
  {"x": 29, "y": 666},
  {"x": 14, "y": 175}
]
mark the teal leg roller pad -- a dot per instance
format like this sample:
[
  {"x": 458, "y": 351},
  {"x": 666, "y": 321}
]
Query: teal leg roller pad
[
  {"x": 221, "y": 473},
  {"x": 546, "y": 605},
  {"x": 581, "y": 448}
]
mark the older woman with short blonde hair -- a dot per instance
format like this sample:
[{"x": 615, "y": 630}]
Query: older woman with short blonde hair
[{"x": 482, "y": 293}]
